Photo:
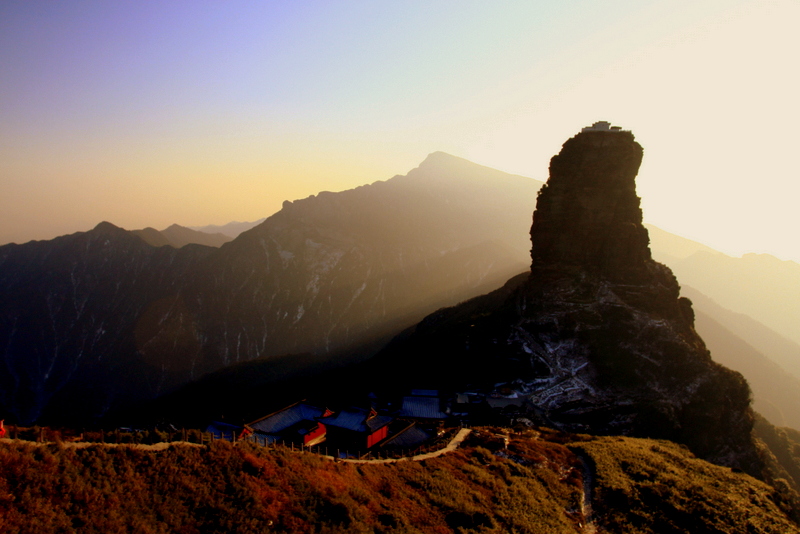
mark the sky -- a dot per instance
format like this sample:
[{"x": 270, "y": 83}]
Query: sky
[{"x": 149, "y": 113}]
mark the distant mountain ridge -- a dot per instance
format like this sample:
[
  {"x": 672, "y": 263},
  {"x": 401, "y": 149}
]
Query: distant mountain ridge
[
  {"x": 668, "y": 248},
  {"x": 231, "y": 229},
  {"x": 325, "y": 274},
  {"x": 178, "y": 236},
  {"x": 782, "y": 351},
  {"x": 768, "y": 358},
  {"x": 776, "y": 393},
  {"x": 758, "y": 285}
]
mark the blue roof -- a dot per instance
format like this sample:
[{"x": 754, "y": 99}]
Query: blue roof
[
  {"x": 289, "y": 416},
  {"x": 357, "y": 420},
  {"x": 421, "y": 408}
]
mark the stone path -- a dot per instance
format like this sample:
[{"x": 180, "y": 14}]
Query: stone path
[
  {"x": 84, "y": 444},
  {"x": 588, "y": 526},
  {"x": 453, "y": 445}
]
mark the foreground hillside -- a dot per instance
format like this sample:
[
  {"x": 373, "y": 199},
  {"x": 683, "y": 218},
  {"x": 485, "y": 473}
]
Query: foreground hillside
[{"x": 535, "y": 483}]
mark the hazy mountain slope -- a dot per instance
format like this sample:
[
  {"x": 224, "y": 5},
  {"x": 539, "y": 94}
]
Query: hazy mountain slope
[
  {"x": 326, "y": 273},
  {"x": 339, "y": 269},
  {"x": 776, "y": 393},
  {"x": 769, "y": 361},
  {"x": 667, "y": 247},
  {"x": 179, "y": 236},
  {"x": 778, "y": 349},
  {"x": 152, "y": 237},
  {"x": 671, "y": 249},
  {"x": 232, "y": 229},
  {"x": 77, "y": 322},
  {"x": 758, "y": 285}
]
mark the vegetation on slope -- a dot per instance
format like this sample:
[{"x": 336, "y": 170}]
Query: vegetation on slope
[
  {"x": 530, "y": 482},
  {"x": 782, "y": 451},
  {"x": 649, "y": 486}
]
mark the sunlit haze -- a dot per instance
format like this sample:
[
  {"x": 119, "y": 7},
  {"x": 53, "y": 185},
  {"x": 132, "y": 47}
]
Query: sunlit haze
[{"x": 195, "y": 113}]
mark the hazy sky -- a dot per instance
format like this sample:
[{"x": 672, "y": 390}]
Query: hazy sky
[{"x": 148, "y": 113}]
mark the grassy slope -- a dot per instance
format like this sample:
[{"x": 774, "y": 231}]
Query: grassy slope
[
  {"x": 534, "y": 485},
  {"x": 649, "y": 486}
]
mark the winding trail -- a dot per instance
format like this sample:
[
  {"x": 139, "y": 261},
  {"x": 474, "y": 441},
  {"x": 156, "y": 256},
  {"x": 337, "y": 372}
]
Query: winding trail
[
  {"x": 84, "y": 444},
  {"x": 453, "y": 445},
  {"x": 589, "y": 526}
]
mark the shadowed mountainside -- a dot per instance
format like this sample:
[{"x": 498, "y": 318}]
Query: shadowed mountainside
[
  {"x": 81, "y": 322},
  {"x": 99, "y": 318},
  {"x": 232, "y": 229}
]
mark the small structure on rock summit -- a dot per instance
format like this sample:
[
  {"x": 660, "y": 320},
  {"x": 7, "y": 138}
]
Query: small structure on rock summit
[{"x": 602, "y": 126}]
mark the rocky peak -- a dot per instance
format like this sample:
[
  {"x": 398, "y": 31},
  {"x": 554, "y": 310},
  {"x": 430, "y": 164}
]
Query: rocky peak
[
  {"x": 596, "y": 338},
  {"x": 105, "y": 228},
  {"x": 588, "y": 215}
]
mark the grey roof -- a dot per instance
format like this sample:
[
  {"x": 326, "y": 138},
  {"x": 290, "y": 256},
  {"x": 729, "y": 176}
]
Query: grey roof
[
  {"x": 410, "y": 436},
  {"x": 378, "y": 422},
  {"x": 421, "y": 408},
  {"x": 289, "y": 416},
  {"x": 357, "y": 420}
]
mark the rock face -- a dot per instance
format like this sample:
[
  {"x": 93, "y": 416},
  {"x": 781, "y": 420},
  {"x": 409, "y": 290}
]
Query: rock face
[
  {"x": 596, "y": 300},
  {"x": 596, "y": 338},
  {"x": 588, "y": 215}
]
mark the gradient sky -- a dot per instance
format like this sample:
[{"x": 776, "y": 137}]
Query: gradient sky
[{"x": 148, "y": 113}]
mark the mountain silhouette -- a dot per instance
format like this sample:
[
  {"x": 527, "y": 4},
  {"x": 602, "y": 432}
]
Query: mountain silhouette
[
  {"x": 231, "y": 229},
  {"x": 178, "y": 236}
]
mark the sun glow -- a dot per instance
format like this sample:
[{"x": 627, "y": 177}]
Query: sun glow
[{"x": 196, "y": 115}]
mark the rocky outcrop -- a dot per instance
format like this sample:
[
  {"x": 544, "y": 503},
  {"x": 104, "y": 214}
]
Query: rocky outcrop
[
  {"x": 596, "y": 337},
  {"x": 588, "y": 215}
]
